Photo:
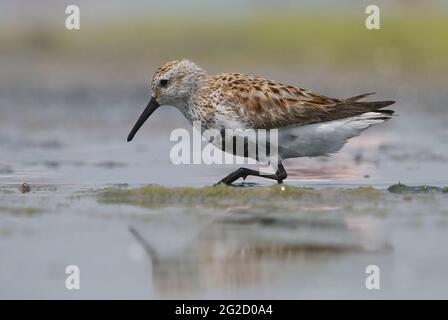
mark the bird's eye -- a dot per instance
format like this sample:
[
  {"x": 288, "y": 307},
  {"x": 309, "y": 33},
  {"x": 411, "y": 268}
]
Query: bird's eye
[{"x": 163, "y": 82}]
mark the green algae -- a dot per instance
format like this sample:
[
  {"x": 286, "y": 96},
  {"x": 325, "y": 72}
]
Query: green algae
[
  {"x": 219, "y": 196},
  {"x": 367, "y": 193},
  {"x": 24, "y": 211},
  {"x": 273, "y": 197},
  {"x": 404, "y": 189}
]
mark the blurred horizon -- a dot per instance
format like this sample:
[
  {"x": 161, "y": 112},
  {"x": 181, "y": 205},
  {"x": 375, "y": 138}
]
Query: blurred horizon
[{"x": 288, "y": 37}]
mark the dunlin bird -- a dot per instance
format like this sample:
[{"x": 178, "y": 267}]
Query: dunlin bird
[{"x": 309, "y": 124}]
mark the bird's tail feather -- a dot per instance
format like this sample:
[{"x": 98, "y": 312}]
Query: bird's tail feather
[
  {"x": 372, "y": 105},
  {"x": 359, "y": 97}
]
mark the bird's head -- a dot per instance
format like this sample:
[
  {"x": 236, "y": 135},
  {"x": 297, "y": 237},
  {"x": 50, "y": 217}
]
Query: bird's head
[{"x": 172, "y": 84}]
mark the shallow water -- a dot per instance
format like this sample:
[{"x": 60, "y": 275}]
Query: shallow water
[
  {"x": 310, "y": 243},
  {"x": 248, "y": 242}
]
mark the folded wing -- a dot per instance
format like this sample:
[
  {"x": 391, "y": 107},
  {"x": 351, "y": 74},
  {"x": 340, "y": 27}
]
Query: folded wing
[{"x": 266, "y": 104}]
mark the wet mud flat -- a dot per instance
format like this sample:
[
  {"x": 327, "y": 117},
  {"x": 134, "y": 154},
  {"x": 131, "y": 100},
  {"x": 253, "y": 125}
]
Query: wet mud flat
[{"x": 276, "y": 241}]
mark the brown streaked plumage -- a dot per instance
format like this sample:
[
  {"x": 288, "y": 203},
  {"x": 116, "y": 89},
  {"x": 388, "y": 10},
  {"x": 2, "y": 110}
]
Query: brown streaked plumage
[
  {"x": 309, "y": 124},
  {"x": 267, "y": 104}
]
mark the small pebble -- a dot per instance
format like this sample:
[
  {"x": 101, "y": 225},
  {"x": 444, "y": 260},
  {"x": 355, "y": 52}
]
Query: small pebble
[{"x": 25, "y": 188}]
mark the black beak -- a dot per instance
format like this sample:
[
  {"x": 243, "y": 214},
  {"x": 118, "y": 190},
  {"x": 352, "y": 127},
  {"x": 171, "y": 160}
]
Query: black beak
[{"x": 150, "y": 108}]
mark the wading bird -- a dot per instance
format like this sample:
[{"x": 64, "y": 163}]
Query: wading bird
[{"x": 309, "y": 124}]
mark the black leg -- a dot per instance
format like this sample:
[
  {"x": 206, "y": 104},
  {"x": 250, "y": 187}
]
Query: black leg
[{"x": 279, "y": 176}]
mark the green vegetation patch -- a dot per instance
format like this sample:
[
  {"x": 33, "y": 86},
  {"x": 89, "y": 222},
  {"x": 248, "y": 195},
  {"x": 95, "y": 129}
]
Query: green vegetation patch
[
  {"x": 222, "y": 196},
  {"x": 219, "y": 196},
  {"x": 403, "y": 189},
  {"x": 25, "y": 211}
]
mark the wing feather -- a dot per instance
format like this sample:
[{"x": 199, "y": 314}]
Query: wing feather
[{"x": 266, "y": 104}]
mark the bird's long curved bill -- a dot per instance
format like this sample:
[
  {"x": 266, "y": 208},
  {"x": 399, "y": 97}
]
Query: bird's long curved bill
[{"x": 150, "y": 108}]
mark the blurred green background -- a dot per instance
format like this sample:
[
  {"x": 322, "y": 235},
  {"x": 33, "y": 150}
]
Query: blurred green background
[{"x": 281, "y": 35}]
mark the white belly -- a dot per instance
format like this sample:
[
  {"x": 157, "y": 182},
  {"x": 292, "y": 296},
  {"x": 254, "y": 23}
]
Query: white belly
[
  {"x": 311, "y": 140},
  {"x": 322, "y": 139}
]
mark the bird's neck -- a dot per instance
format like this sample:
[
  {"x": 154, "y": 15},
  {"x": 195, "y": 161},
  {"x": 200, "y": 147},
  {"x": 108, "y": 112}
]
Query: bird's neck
[{"x": 194, "y": 108}]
